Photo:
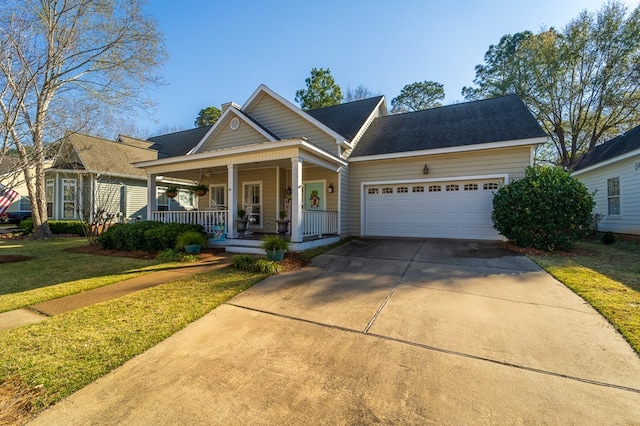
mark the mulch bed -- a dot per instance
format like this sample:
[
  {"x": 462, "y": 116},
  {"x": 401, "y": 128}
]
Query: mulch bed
[{"x": 530, "y": 251}]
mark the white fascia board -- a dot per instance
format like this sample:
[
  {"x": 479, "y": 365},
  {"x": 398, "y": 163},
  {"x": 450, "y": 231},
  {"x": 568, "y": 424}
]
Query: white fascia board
[
  {"x": 340, "y": 140},
  {"x": 218, "y": 124},
  {"x": 246, "y": 149},
  {"x": 98, "y": 172},
  {"x": 463, "y": 148},
  {"x": 607, "y": 162}
]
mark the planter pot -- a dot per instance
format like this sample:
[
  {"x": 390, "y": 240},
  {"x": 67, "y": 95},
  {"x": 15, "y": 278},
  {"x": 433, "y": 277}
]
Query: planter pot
[
  {"x": 283, "y": 227},
  {"x": 276, "y": 255},
  {"x": 241, "y": 227},
  {"x": 192, "y": 248}
]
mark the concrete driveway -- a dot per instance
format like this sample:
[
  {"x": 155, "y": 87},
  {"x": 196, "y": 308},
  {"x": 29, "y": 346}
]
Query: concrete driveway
[{"x": 390, "y": 331}]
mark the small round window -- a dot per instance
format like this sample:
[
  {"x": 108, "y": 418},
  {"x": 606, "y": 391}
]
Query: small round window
[{"x": 234, "y": 124}]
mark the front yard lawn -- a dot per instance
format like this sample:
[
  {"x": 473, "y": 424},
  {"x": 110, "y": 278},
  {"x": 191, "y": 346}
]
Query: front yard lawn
[
  {"x": 42, "y": 363},
  {"x": 607, "y": 277}
]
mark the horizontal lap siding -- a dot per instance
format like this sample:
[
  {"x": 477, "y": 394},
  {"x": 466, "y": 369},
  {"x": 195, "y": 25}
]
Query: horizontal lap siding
[
  {"x": 286, "y": 124},
  {"x": 136, "y": 203},
  {"x": 227, "y": 138},
  {"x": 628, "y": 222},
  {"x": 511, "y": 161}
]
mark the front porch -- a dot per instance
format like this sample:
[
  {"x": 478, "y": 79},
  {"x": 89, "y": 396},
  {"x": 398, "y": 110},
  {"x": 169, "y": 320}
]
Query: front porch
[
  {"x": 318, "y": 228},
  {"x": 262, "y": 183}
]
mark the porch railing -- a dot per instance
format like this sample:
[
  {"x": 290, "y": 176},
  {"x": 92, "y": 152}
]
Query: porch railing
[
  {"x": 319, "y": 222},
  {"x": 209, "y": 219}
]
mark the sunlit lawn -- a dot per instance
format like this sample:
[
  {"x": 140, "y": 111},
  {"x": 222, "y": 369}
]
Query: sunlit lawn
[{"x": 609, "y": 280}]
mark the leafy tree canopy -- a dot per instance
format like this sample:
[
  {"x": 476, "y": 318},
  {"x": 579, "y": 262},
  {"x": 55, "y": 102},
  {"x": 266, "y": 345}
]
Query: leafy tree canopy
[
  {"x": 322, "y": 91},
  {"x": 207, "y": 116},
  {"x": 418, "y": 96},
  {"x": 582, "y": 83}
]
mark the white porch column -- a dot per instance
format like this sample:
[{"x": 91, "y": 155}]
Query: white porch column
[
  {"x": 232, "y": 200},
  {"x": 152, "y": 197},
  {"x": 296, "y": 200}
]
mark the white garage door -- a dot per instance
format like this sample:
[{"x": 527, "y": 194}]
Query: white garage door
[{"x": 455, "y": 209}]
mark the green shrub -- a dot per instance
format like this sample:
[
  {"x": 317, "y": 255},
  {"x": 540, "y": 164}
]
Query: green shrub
[
  {"x": 189, "y": 238},
  {"x": 146, "y": 235},
  {"x": 27, "y": 225},
  {"x": 608, "y": 238},
  {"x": 248, "y": 263},
  {"x": 547, "y": 209},
  {"x": 56, "y": 226},
  {"x": 173, "y": 255}
]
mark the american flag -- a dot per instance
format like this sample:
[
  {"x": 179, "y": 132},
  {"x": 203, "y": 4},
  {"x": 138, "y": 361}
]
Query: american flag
[{"x": 7, "y": 195}]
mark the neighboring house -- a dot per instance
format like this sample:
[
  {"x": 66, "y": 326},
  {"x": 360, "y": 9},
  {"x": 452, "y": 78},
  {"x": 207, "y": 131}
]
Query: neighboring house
[
  {"x": 92, "y": 175},
  {"x": 11, "y": 176},
  {"x": 352, "y": 169},
  {"x": 612, "y": 171}
]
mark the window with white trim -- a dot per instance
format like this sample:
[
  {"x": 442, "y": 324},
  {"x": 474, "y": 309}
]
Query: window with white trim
[
  {"x": 252, "y": 197},
  {"x": 218, "y": 197},
  {"x": 49, "y": 195},
  {"x": 613, "y": 196},
  {"x": 69, "y": 198}
]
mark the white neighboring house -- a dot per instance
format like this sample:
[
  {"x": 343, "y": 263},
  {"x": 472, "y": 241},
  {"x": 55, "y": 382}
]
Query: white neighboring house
[{"x": 612, "y": 171}]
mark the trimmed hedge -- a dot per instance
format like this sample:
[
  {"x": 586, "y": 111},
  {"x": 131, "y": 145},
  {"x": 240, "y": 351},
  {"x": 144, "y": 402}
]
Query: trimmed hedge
[
  {"x": 56, "y": 227},
  {"x": 146, "y": 235},
  {"x": 547, "y": 209}
]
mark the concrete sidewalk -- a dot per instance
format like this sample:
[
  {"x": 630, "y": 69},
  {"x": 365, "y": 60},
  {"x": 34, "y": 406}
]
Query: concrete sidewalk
[
  {"x": 42, "y": 311},
  {"x": 394, "y": 331}
]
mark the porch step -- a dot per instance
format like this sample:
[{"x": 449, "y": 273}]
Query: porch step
[{"x": 244, "y": 250}]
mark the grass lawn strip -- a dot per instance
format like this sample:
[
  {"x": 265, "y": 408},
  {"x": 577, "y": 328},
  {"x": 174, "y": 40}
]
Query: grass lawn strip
[
  {"x": 609, "y": 281},
  {"x": 65, "y": 353},
  {"x": 51, "y": 265}
]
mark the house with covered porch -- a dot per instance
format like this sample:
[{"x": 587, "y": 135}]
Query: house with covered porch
[{"x": 350, "y": 169}]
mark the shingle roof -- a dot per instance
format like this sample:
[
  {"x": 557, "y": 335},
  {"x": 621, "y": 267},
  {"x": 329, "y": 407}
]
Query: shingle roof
[
  {"x": 7, "y": 164},
  {"x": 491, "y": 120},
  {"x": 104, "y": 156},
  {"x": 178, "y": 143},
  {"x": 615, "y": 147},
  {"x": 128, "y": 140},
  {"x": 346, "y": 119}
]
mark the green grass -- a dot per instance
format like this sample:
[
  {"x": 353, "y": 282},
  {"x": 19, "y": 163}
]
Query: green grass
[
  {"x": 65, "y": 353},
  {"x": 52, "y": 265},
  {"x": 608, "y": 279}
]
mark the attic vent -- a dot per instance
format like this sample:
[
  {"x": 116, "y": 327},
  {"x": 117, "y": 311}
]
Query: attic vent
[{"x": 234, "y": 124}]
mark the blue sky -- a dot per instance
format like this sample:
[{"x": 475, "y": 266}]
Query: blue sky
[{"x": 220, "y": 51}]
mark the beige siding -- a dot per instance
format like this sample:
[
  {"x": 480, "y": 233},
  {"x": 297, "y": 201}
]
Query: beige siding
[
  {"x": 227, "y": 138},
  {"x": 320, "y": 174},
  {"x": 628, "y": 222},
  {"x": 344, "y": 192},
  {"x": 107, "y": 196},
  {"x": 510, "y": 161},
  {"x": 286, "y": 124},
  {"x": 136, "y": 201},
  {"x": 267, "y": 177}
]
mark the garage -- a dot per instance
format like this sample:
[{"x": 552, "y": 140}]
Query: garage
[{"x": 435, "y": 209}]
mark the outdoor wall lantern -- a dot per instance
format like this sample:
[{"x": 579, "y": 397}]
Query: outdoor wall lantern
[
  {"x": 330, "y": 188},
  {"x": 425, "y": 170}
]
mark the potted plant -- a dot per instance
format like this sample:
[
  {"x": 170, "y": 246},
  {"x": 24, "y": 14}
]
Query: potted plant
[
  {"x": 191, "y": 242},
  {"x": 283, "y": 224},
  {"x": 275, "y": 247},
  {"x": 241, "y": 223},
  {"x": 315, "y": 199},
  {"x": 200, "y": 189},
  {"x": 172, "y": 191}
]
